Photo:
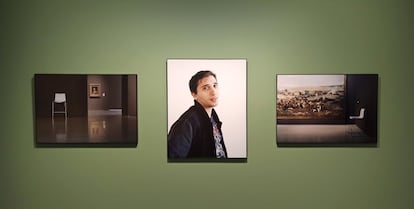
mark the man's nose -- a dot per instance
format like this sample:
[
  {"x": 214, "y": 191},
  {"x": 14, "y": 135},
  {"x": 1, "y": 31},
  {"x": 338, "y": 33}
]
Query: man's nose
[{"x": 213, "y": 91}]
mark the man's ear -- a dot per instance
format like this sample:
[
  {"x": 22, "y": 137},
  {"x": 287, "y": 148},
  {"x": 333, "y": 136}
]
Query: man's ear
[{"x": 194, "y": 95}]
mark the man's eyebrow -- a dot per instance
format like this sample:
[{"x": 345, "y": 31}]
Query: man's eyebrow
[{"x": 208, "y": 84}]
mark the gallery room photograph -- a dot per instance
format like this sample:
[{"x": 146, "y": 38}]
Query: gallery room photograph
[
  {"x": 206, "y": 104},
  {"x": 336, "y": 109},
  {"x": 82, "y": 109}
]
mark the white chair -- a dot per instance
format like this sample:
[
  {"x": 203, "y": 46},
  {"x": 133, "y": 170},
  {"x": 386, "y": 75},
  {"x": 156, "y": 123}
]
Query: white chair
[
  {"x": 360, "y": 116},
  {"x": 60, "y": 98}
]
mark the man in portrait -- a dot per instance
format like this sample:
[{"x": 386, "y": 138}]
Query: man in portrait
[{"x": 197, "y": 133}]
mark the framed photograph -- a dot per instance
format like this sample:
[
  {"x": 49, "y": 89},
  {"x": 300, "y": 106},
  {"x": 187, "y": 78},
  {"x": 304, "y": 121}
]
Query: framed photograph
[
  {"x": 338, "y": 109},
  {"x": 206, "y": 109},
  {"x": 86, "y": 109},
  {"x": 94, "y": 90}
]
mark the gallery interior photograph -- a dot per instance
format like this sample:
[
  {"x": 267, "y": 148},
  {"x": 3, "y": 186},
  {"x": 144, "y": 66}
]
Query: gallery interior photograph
[
  {"x": 327, "y": 109},
  {"x": 85, "y": 109},
  {"x": 85, "y": 104}
]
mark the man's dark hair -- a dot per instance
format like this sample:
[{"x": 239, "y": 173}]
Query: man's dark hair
[{"x": 198, "y": 76}]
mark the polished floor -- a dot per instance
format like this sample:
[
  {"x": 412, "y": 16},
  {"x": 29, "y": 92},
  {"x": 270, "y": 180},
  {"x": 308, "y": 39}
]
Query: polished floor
[
  {"x": 321, "y": 134},
  {"x": 100, "y": 127}
]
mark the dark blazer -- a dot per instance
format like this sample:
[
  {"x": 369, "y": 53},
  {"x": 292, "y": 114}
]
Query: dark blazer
[{"x": 191, "y": 136}]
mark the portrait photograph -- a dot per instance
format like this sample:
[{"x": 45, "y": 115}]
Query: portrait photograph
[
  {"x": 83, "y": 109},
  {"x": 326, "y": 109},
  {"x": 207, "y": 111}
]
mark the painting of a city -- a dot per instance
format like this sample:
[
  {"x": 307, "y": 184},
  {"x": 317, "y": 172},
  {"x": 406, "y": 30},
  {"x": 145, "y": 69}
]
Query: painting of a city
[
  {"x": 319, "y": 97},
  {"x": 326, "y": 109}
]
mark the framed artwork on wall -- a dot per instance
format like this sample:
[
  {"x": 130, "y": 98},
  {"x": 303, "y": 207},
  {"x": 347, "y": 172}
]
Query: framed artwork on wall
[
  {"x": 206, "y": 109},
  {"x": 85, "y": 109},
  {"x": 94, "y": 90},
  {"x": 323, "y": 109}
]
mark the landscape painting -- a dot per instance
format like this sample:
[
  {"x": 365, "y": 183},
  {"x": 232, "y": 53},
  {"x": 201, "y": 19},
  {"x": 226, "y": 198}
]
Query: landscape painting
[{"x": 308, "y": 97}]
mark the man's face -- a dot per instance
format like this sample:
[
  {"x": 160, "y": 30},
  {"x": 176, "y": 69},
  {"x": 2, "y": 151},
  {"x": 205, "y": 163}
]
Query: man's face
[{"x": 207, "y": 92}]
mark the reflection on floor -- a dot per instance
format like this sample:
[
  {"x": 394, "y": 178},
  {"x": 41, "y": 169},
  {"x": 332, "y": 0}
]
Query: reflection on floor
[
  {"x": 314, "y": 134},
  {"x": 105, "y": 127}
]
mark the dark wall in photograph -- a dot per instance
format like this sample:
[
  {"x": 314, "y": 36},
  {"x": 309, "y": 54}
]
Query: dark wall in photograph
[
  {"x": 117, "y": 92},
  {"x": 362, "y": 92},
  {"x": 129, "y": 95},
  {"x": 111, "y": 95},
  {"x": 46, "y": 85}
]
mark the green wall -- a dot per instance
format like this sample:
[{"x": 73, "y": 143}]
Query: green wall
[{"x": 297, "y": 36}]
